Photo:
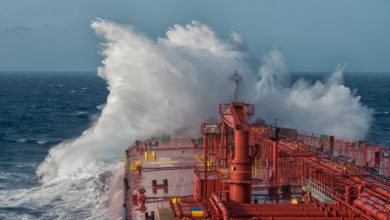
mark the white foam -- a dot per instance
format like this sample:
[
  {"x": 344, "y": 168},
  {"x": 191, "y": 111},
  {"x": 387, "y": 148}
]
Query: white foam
[
  {"x": 81, "y": 197},
  {"x": 100, "y": 107},
  {"x": 41, "y": 141},
  {"x": 22, "y": 140}
]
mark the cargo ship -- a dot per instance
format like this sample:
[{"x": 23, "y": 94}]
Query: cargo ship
[{"x": 238, "y": 169}]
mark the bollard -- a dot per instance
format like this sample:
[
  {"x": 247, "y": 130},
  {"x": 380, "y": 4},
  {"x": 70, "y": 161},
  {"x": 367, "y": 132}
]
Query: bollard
[
  {"x": 134, "y": 199},
  {"x": 142, "y": 200}
]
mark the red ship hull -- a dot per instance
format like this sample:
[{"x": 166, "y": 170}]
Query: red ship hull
[{"x": 238, "y": 170}]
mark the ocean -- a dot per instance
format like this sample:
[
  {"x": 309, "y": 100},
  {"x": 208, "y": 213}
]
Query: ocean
[
  {"x": 41, "y": 109},
  {"x": 38, "y": 111}
]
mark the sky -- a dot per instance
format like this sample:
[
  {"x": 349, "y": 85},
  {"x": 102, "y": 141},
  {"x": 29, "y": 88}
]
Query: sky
[{"x": 314, "y": 35}]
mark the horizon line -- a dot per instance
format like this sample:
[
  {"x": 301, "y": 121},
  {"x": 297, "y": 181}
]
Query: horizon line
[{"x": 90, "y": 71}]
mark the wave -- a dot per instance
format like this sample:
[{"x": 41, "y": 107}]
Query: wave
[
  {"x": 82, "y": 114},
  {"x": 383, "y": 113},
  {"x": 33, "y": 141},
  {"x": 78, "y": 196}
]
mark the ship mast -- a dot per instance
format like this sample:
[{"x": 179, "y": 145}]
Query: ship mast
[{"x": 236, "y": 78}]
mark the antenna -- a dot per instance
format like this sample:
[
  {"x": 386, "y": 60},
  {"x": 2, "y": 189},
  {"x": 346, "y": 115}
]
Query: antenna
[{"x": 236, "y": 78}]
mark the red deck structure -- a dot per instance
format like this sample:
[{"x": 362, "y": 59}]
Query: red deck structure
[{"x": 239, "y": 170}]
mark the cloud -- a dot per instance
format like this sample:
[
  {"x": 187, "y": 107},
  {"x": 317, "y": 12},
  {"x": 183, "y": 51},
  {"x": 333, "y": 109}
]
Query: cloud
[
  {"x": 23, "y": 28},
  {"x": 19, "y": 28}
]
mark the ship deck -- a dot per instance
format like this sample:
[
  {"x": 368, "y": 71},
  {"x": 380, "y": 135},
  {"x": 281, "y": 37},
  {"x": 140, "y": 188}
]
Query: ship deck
[
  {"x": 255, "y": 171},
  {"x": 172, "y": 161}
]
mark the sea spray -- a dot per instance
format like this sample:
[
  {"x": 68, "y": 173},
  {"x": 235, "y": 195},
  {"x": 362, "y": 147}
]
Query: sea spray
[
  {"x": 322, "y": 107},
  {"x": 155, "y": 87}
]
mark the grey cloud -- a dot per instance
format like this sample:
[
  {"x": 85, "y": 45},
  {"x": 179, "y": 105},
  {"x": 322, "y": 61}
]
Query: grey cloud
[
  {"x": 20, "y": 28},
  {"x": 17, "y": 28}
]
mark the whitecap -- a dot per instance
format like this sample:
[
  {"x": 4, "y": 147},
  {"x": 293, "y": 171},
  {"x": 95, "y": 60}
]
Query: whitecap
[
  {"x": 81, "y": 113},
  {"x": 100, "y": 107},
  {"x": 21, "y": 141},
  {"x": 41, "y": 141}
]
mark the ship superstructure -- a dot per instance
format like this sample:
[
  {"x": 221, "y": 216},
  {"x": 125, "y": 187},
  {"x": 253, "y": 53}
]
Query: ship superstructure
[{"x": 242, "y": 170}]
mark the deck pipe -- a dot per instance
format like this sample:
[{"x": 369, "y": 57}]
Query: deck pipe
[
  {"x": 374, "y": 187},
  {"x": 240, "y": 168},
  {"x": 372, "y": 207},
  {"x": 220, "y": 205},
  {"x": 178, "y": 211},
  {"x": 351, "y": 207},
  {"x": 186, "y": 211}
]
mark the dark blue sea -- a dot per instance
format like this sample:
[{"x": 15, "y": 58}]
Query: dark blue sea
[
  {"x": 40, "y": 109},
  {"x": 37, "y": 111}
]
